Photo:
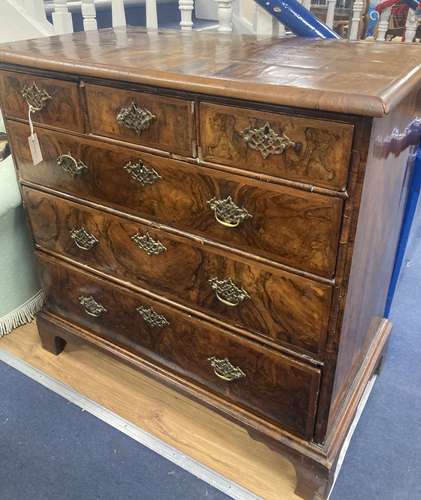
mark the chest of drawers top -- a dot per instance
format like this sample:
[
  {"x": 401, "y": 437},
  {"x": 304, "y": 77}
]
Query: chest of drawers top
[
  {"x": 212, "y": 205},
  {"x": 323, "y": 75}
]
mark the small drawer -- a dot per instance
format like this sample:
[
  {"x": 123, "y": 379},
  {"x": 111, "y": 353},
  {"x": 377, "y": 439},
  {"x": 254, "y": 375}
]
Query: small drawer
[
  {"x": 290, "y": 226},
  {"x": 268, "y": 384},
  {"x": 307, "y": 150},
  {"x": 54, "y": 102},
  {"x": 152, "y": 120},
  {"x": 269, "y": 302}
]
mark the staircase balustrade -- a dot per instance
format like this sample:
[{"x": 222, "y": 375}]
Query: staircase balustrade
[
  {"x": 332, "y": 12},
  {"x": 62, "y": 18},
  {"x": 411, "y": 26},
  {"x": 118, "y": 14},
  {"x": 89, "y": 15},
  {"x": 224, "y": 15},
  {"x": 383, "y": 24},
  {"x": 186, "y": 14},
  {"x": 356, "y": 19}
]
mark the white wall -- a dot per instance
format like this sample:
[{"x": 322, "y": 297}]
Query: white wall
[
  {"x": 17, "y": 24},
  {"x": 247, "y": 10},
  {"x": 206, "y": 9}
]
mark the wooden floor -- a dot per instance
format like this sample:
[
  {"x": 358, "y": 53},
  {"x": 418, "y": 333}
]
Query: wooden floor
[{"x": 183, "y": 424}]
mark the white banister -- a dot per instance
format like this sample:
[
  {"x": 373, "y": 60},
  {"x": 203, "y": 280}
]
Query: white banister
[
  {"x": 411, "y": 26},
  {"x": 151, "y": 14},
  {"x": 383, "y": 24},
  {"x": 89, "y": 15},
  {"x": 62, "y": 18},
  {"x": 306, "y": 4},
  {"x": 357, "y": 9},
  {"x": 224, "y": 15},
  {"x": 118, "y": 13},
  {"x": 330, "y": 14},
  {"x": 186, "y": 14}
]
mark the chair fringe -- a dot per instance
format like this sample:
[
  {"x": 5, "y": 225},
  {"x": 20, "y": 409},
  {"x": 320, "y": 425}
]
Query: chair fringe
[{"x": 22, "y": 314}]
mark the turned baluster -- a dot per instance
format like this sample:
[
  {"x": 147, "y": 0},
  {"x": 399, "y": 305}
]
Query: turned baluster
[
  {"x": 356, "y": 19},
  {"x": 62, "y": 18},
  {"x": 118, "y": 13},
  {"x": 186, "y": 13},
  {"x": 383, "y": 24},
  {"x": 151, "y": 14},
  {"x": 410, "y": 26},
  {"x": 330, "y": 14},
  {"x": 224, "y": 15},
  {"x": 89, "y": 15}
]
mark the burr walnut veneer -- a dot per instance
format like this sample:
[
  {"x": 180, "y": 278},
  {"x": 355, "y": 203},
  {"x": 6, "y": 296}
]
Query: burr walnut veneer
[{"x": 221, "y": 212}]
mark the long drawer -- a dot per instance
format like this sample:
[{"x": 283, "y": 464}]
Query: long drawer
[
  {"x": 53, "y": 102},
  {"x": 273, "y": 303},
  {"x": 266, "y": 383},
  {"x": 293, "y": 227},
  {"x": 307, "y": 150}
]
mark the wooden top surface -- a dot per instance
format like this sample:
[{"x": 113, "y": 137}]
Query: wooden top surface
[{"x": 351, "y": 77}]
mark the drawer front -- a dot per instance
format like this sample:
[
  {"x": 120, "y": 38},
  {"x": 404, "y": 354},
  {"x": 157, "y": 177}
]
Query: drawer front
[
  {"x": 307, "y": 150},
  {"x": 269, "y": 384},
  {"x": 54, "y": 102},
  {"x": 151, "y": 120},
  {"x": 293, "y": 227},
  {"x": 276, "y": 304}
]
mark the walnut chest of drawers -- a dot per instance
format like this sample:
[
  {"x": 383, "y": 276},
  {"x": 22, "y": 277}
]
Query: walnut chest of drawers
[{"x": 222, "y": 212}]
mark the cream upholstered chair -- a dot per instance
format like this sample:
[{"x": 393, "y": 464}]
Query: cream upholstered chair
[{"x": 20, "y": 293}]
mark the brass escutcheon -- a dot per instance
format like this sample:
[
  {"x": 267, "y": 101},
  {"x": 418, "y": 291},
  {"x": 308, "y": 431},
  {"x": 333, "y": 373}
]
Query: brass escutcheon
[
  {"x": 91, "y": 306},
  {"x": 225, "y": 370},
  {"x": 227, "y": 213}
]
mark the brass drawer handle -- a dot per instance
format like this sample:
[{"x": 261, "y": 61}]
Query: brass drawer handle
[
  {"x": 151, "y": 317},
  {"x": 267, "y": 141},
  {"x": 228, "y": 213},
  {"x": 83, "y": 239},
  {"x": 135, "y": 118},
  {"x": 35, "y": 97},
  {"x": 71, "y": 165},
  {"x": 146, "y": 243},
  {"x": 228, "y": 292},
  {"x": 225, "y": 370},
  {"x": 141, "y": 173},
  {"x": 91, "y": 306}
]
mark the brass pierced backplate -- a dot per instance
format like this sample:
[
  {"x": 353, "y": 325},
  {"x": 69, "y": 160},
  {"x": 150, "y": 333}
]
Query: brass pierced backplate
[
  {"x": 228, "y": 213},
  {"x": 141, "y": 173},
  {"x": 35, "y": 97},
  {"x": 228, "y": 292},
  {"x": 151, "y": 317},
  {"x": 224, "y": 369},
  {"x": 91, "y": 306},
  {"x": 146, "y": 243},
  {"x": 83, "y": 239},
  {"x": 135, "y": 118},
  {"x": 71, "y": 165},
  {"x": 266, "y": 140}
]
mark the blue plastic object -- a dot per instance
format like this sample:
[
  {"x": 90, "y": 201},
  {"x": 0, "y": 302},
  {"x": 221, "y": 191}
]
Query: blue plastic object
[
  {"x": 297, "y": 18},
  {"x": 372, "y": 18},
  {"x": 410, "y": 209}
]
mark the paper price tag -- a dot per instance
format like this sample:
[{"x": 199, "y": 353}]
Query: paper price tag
[
  {"x": 35, "y": 149},
  {"x": 33, "y": 141}
]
